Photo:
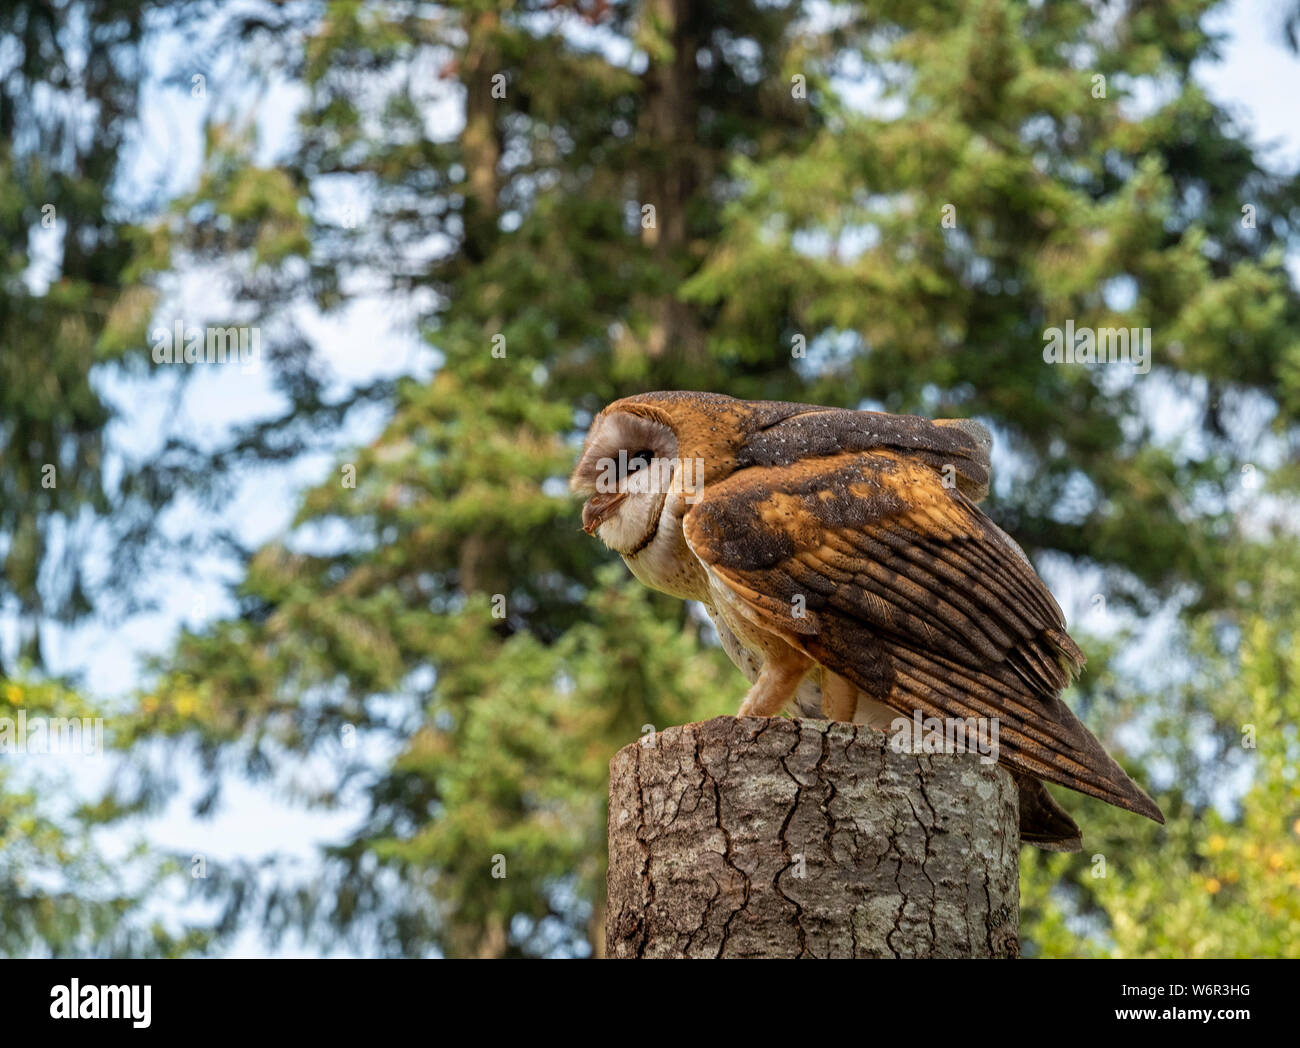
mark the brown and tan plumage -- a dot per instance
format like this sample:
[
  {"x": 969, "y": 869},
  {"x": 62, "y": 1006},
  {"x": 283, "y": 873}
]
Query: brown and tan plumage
[{"x": 850, "y": 573}]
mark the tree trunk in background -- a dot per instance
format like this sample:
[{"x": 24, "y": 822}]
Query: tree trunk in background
[
  {"x": 672, "y": 156},
  {"x": 481, "y": 146},
  {"x": 481, "y": 138},
  {"x": 746, "y": 837}
]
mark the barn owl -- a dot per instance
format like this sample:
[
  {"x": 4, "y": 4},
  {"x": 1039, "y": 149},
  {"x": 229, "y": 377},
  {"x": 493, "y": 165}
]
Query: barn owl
[{"x": 850, "y": 575}]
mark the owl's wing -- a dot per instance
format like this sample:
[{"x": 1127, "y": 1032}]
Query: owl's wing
[{"x": 912, "y": 593}]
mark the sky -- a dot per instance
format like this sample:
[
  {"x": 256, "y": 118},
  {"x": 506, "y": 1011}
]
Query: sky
[{"x": 1258, "y": 80}]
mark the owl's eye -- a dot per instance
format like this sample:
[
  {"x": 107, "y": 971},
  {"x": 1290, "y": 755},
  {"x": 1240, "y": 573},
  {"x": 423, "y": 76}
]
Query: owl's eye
[{"x": 639, "y": 460}]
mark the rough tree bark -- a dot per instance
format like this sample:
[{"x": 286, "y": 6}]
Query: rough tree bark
[{"x": 748, "y": 837}]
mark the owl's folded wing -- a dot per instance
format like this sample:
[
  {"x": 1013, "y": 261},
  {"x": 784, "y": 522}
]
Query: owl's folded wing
[{"x": 868, "y": 563}]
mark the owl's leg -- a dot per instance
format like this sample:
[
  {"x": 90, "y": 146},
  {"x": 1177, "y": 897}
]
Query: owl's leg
[
  {"x": 777, "y": 681},
  {"x": 839, "y": 697}
]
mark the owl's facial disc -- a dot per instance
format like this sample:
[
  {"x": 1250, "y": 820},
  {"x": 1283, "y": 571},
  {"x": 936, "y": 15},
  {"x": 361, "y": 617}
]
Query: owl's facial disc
[
  {"x": 626, "y": 468},
  {"x": 627, "y": 518}
]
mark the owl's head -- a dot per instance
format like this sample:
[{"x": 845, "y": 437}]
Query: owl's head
[{"x": 627, "y": 469}]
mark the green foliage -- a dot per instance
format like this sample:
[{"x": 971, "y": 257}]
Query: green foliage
[
  {"x": 57, "y": 165},
  {"x": 1221, "y": 879},
  {"x": 69, "y": 316},
  {"x": 64, "y": 892}
]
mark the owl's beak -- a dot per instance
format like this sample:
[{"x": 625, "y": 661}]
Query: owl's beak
[{"x": 599, "y": 508}]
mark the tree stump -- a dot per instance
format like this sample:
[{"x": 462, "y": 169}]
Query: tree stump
[{"x": 750, "y": 837}]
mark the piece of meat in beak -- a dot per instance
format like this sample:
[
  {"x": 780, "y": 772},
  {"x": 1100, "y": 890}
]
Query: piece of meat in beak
[{"x": 599, "y": 508}]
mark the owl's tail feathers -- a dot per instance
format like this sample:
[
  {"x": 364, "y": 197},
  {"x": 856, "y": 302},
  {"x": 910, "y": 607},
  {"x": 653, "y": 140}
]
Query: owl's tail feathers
[
  {"x": 973, "y": 471},
  {"x": 1038, "y": 733},
  {"x": 1043, "y": 822}
]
